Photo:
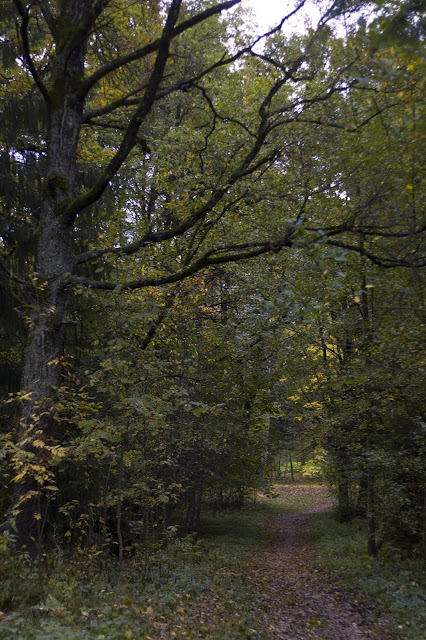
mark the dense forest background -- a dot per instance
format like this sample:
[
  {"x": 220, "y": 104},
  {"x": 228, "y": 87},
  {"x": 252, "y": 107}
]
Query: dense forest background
[{"x": 211, "y": 267}]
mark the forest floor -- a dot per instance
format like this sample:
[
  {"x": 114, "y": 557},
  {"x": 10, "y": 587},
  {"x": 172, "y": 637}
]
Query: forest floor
[
  {"x": 281, "y": 569},
  {"x": 300, "y": 601}
]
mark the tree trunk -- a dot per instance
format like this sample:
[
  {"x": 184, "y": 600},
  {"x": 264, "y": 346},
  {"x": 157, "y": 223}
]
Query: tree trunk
[
  {"x": 424, "y": 523},
  {"x": 372, "y": 544},
  {"x": 197, "y": 507},
  {"x": 362, "y": 498},
  {"x": 41, "y": 369},
  {"x": 54, "y": 259},
  {"x": 119, "y": 502},
  {"x": 345, "y": 510}
]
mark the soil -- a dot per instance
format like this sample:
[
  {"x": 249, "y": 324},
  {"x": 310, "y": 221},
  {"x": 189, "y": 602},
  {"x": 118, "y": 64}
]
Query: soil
[{"x": 301, "y": 602}]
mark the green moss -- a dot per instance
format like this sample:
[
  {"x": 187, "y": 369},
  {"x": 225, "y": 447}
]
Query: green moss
[{"x": 57, "y": 182}]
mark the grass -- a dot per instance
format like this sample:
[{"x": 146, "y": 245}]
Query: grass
[
  {"x": 395, "y": 584},
  {"x": 188, "y": 590}
]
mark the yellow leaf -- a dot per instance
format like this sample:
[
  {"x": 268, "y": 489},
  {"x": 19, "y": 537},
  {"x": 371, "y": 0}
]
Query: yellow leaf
[{"x": 19, "y": 476}]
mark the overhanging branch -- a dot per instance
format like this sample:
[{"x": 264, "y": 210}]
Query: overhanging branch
[{"x": 223, "y": 255}]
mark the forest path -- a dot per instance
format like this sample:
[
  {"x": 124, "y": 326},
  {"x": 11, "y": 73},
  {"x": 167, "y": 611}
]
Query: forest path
[{"x": 301, "y": 602}]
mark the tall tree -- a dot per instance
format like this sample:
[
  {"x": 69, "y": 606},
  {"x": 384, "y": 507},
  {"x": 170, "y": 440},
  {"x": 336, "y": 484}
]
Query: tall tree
[{"x": 120, "y": 108}]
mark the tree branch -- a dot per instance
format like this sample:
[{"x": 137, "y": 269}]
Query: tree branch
[
  {"x": 153, "y": 46},
  {"x": 386, "y": 263},
  {"x": 126, "y": 101},
  {"x": 232, "y": 253},
  {"x": 26, "y": 49},
  {"x": 47, "y": 15},
  {"x": 246, "y": 168},
  {"x": 130, "y": 137},
  {"x": 155, "y": 325}
]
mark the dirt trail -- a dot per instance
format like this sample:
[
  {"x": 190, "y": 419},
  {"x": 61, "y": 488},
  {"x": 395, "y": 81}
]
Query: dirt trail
[{"x": 300, "y": 602}]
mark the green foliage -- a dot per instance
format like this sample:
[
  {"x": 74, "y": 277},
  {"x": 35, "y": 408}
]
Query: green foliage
[{"x": 153, "y": 388}]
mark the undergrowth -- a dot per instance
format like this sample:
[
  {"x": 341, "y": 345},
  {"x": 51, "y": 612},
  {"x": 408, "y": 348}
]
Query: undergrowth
[
  {"x": 396, "y": 584},
  {"x": 190, "y": 589},
  {"x": 195, "y": 589}
]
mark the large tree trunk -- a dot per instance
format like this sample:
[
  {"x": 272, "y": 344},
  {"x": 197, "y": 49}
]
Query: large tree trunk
[
  {"x": 54, "y": 259},
  {"x": 41, "y": 371}
]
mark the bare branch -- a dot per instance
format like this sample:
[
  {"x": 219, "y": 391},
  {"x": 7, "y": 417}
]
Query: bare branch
[
  {"x": 245, "y": 168},
  {"x": 190, "y": 82}
]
